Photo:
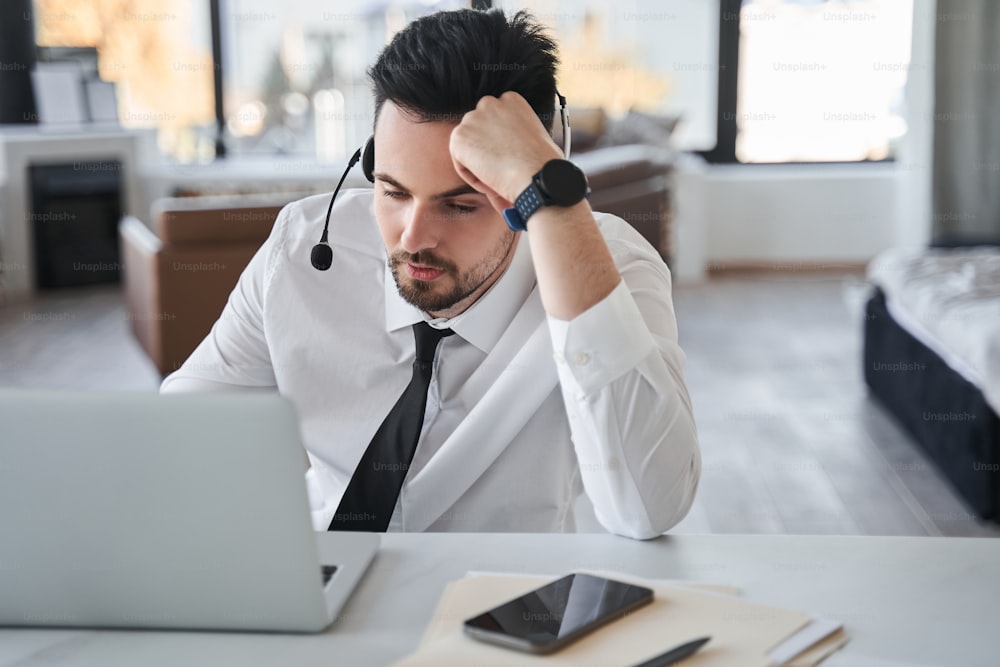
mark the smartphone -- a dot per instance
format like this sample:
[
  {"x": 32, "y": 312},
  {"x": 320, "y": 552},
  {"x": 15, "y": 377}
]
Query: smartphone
[{"x": 550, "y": 617}]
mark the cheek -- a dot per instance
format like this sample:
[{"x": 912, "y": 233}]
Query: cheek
[
  {"x": 464, "y": 243},
  {"x": 477, "y": 245},
  {"x": 388, "y": 224}
]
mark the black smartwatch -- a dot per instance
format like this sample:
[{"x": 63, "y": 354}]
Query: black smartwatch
[{"x": 558, "y": 183}]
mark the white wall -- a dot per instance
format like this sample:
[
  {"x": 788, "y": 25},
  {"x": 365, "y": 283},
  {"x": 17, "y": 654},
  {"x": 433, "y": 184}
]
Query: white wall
[
  {"x": 765, "y": 214},
  {"x": 825, "y": 213}
]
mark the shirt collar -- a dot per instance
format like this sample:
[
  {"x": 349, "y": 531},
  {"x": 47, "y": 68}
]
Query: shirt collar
[{"x": 483, "y": 322}]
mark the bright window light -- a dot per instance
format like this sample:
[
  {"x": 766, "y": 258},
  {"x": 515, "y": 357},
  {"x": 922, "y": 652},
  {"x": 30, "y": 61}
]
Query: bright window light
[{"x": 822, "y": 80}]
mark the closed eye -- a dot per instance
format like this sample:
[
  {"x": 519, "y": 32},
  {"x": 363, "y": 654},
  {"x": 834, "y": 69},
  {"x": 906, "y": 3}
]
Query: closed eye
[{"x": 462, "y": 209}]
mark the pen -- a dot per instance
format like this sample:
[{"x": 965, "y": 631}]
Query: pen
[{"x": 675, "y": 654}]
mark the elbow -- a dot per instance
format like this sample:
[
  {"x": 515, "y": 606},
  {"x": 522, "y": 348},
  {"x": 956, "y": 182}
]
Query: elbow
[
  {"x": 633, "y": 527},
  {"x": 680, "y": 497},
  {"x": 665, "y": 510},
  {"x": 641, "y": 534},
  {"x": 676, "y": 494}
]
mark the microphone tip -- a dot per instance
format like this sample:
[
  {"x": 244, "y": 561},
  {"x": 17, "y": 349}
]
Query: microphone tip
[{"x": 322, "y": 256}]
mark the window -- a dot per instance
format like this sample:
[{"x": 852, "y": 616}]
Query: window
[
  {"x": 654, "y": 56},
  {"x": 295, "y": 72},
  {"x": 820, "y": 80},
  {"x": 159, "y": 55}
]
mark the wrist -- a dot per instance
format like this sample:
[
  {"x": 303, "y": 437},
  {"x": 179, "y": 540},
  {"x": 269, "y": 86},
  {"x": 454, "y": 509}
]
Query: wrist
[
  {"x": 520, "y": 181},
  {"x": 558, "y": 183},
  {"x": 523, "y": 173}
]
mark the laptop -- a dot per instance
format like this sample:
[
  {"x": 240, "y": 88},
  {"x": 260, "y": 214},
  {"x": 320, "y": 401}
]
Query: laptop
[{"x": 181, "y": 511}]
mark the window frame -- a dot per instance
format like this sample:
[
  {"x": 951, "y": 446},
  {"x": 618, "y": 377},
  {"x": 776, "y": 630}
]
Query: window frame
[{"x": 727, "y": 129}]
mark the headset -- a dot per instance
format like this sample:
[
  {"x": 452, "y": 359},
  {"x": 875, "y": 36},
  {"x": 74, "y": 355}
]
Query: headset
[{"x": 322, "y": 253}]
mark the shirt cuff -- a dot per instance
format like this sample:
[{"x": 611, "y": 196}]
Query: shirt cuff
[{"x": 602, "y": 343}]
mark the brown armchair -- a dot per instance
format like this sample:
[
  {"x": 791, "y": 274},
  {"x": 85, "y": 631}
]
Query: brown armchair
[
  {"x": 179, "y": 273},
  {"x": 633, "y": 183}
]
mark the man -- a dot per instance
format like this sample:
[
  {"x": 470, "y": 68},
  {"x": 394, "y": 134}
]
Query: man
[{"x": 563, "y": 374}]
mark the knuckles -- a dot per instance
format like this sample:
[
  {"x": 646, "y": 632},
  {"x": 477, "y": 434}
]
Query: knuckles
[{"x": 486, "y": 102}]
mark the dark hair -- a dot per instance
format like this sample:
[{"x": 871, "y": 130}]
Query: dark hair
[{"x": 440, "y": 65}]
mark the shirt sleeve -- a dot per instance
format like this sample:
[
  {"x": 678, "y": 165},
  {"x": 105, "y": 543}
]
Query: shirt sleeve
[
  {"x": 234, "y": 355},
  {"x": 621, "y": 373}
]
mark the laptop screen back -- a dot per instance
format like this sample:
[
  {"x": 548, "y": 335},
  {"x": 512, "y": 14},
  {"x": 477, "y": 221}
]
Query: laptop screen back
[{"x": 158, "y": 511}]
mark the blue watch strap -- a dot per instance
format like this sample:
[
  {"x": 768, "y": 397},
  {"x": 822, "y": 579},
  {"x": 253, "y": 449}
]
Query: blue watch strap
[
  {"x": 514, "y": 220},
  {"x": 529, "y": 201}
]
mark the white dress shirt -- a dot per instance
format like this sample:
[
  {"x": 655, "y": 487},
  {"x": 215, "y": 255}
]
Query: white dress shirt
[{"x": 524, "y": 411}]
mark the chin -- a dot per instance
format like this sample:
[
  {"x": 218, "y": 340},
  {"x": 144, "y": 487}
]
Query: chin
[{"x": 424, "y": 297}]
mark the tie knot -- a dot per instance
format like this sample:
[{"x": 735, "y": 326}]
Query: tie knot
[{"x": 427, "y": 338}]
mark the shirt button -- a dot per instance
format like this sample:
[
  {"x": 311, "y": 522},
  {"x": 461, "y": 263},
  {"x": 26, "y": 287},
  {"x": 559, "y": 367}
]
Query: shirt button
[
  {"x": 560, "y": 359},
  {"x": 582, "y": 358}
]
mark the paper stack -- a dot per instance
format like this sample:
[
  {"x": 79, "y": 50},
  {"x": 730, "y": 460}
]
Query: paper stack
[{"x": 744, "y": 634}]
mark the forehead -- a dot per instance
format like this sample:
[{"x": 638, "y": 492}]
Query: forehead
[
  {"x": 396, "y": 124},
  {"x": 408, "y": 145}
]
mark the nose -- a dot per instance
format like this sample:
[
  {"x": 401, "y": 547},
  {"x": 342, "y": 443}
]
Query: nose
[{"x": 420, "y": 229}]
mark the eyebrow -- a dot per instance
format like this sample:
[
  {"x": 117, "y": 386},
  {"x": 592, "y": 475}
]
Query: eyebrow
[{"x": 464, "y": 189}]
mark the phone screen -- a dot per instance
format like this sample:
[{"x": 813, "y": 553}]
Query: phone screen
[{"x": 556, "y": 614}]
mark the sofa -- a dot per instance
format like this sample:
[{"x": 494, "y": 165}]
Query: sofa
[
  {"x": 179, "y": 270},
  {"x": 632, "y": 182}
]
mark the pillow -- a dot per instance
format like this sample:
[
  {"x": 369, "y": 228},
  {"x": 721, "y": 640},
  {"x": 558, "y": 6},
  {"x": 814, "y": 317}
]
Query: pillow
[{"x": 637, "y": 127}]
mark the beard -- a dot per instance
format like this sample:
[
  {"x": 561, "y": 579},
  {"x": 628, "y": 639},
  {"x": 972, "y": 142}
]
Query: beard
[{"x": 453, "y": 285}]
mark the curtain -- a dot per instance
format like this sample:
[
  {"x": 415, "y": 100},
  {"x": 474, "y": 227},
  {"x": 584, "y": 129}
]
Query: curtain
[{"x": 966, "y": 178}]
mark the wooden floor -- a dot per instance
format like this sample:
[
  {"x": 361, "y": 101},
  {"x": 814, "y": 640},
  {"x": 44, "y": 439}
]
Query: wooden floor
[{"x": 791, "y": 442}]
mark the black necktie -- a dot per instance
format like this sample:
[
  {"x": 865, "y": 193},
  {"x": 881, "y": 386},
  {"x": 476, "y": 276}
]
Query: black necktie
[{"x": 371, "y": 495}]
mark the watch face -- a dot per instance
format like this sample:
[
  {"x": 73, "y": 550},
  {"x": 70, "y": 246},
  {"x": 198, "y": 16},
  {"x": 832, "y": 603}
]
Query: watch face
[{"x": 563, "y": 182}]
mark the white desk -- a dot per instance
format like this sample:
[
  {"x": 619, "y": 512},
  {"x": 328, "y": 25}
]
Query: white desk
[{"x": 930, "y": 601}]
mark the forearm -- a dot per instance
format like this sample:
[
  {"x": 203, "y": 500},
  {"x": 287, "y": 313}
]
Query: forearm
[
  {"x": 629, "y": 410},
  {"x": 498, "y": 148},
  {"x": 638, "y": 452},
  {"x": 572, "y": 262}
]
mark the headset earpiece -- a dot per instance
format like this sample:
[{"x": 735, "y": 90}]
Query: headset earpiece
[
  {"x": 368, "y": 159},
  {"x": 567, "y": 137}
]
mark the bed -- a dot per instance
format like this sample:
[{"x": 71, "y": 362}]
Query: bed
[{"x": 932, "y": 358}]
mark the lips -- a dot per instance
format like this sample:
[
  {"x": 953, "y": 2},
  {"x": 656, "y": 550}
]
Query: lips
[{"x": 423, "y": 272}]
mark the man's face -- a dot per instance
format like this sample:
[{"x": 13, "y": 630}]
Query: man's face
[{"x": 446, "y": 244}]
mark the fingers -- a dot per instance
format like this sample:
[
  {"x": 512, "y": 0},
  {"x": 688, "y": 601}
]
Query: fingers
[
  {"x": 496, "y": 200},
  {"x": 499, "y": 145}
]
